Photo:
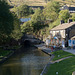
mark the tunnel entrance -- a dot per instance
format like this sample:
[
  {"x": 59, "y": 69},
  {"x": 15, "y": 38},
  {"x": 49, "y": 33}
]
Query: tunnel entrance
[{"x": 27, "y": 43}]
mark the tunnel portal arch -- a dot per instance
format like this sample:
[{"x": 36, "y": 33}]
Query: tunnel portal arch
[{"x": 27, "y": 43}]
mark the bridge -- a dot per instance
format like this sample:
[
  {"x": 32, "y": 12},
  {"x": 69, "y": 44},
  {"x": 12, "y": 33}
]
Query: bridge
[{"x": 29, "y": 39}]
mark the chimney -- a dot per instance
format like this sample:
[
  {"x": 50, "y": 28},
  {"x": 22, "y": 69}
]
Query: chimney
[
  {"x": 69, "y": 20},
  {"x": 62, "y": 21}
]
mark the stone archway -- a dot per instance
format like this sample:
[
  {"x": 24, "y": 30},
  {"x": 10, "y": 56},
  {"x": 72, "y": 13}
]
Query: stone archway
[{"x": 27, "y": 43}]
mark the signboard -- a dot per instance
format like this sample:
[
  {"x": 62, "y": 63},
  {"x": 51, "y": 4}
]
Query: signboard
[
  {"x": 70, "y": 42},
  {"x": 73, "y": 42}
]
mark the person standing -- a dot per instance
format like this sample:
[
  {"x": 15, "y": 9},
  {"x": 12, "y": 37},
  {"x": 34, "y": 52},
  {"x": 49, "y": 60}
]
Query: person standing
[{"x": 47, "y": 42}]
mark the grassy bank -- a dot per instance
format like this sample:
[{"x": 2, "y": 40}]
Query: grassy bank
[
  {"x": 14, "y": 47},
  {"x": 4, "y": 53},
  {"x": 7, "y": 50},
  {"x": 65, "y": 67},
  {"x": 60, "y": 54}
]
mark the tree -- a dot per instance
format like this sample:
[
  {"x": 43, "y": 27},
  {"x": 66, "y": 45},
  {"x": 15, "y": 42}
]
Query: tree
[
  {"x": 23, "y": 10},
  {"x": 51, "y": 10},
  {"x": 36, "y": 24},
  {"x": 16, "y": 33},
  {"x": 37, "y": 20},
  {"x": 37, "y": 16},
  {"x": 54, "y": 24},
  {"x": 27, "y": 28},
  {"x": 31, "y": 10},
  {"x": 64, "y": 15},
  {"x": 6, "y": 18},
  {"x": 6, "y": 21},
  {"x": 9, "y": 24},
  {"x": 73, "y": 16}
]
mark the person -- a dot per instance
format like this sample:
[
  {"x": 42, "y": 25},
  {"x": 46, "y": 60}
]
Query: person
[
  {"x": 54, "y": 46},
  {"x": 47, "y": 42},
  {"x": 63, "y": 44},
  {"x": 52, "y": 49}
]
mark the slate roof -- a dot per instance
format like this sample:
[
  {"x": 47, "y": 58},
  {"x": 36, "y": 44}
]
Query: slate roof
[
  {"x": 63, "y": 26},
  {"x": 25, "y": 19}
]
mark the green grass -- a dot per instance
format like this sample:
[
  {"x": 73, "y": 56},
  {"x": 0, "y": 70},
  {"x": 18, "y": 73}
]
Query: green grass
[
  {"x": 61, "y": 53},
  {"x": 14, "y": 47},
  {"x": 65, "y": 67},
  {"x": 4, "y": 52}
]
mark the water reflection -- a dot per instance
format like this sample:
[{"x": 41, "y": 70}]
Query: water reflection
[{"x": 27, "y": 63}]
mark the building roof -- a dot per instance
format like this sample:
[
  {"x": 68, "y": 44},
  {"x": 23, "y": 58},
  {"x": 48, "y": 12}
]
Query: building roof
[
  {"x": 73, "y": 38},
  {"x": 25, "y": 19},
  {"x": 63, "y": 26}
]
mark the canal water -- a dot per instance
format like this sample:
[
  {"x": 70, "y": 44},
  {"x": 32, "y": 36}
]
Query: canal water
[{"x": 29, "y": 62}]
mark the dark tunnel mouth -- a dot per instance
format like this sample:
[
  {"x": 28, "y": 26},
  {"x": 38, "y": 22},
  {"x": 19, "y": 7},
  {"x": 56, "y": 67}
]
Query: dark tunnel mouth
[{"x": 27, "y": 43}]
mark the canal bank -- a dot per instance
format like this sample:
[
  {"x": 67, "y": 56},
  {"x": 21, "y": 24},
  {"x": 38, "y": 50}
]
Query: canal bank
[
  {"x": 58, "y": 57},
  {"x": 47, "y": 66},
  {"x": 62, "y": 64},
  {"x": 6, "y": 52},
  {"x": 9, "y": 51},
  {"x": 46, "y": 50}
]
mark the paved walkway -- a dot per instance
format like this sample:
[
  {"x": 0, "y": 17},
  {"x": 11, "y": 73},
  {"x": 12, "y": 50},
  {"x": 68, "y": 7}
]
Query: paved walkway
[
  {"x": 70, "y": 51},
  {"x": 48, "y": 51},
  {"x": 44, "y": 48},
  {"x": 61, "y": 59}
]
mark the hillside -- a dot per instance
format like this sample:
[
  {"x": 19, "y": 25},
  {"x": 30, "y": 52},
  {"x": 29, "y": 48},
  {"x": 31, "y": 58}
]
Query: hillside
[
  {"x": 40, "y": 2},
  {"x": 28, "y": 2}
]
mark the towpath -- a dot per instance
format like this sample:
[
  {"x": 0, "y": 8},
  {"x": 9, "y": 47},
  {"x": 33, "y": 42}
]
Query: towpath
[
  {"x": 70, "y": 51},
  {"x": 44, "y": 48},
  {"x": 48, "y": 51}
]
